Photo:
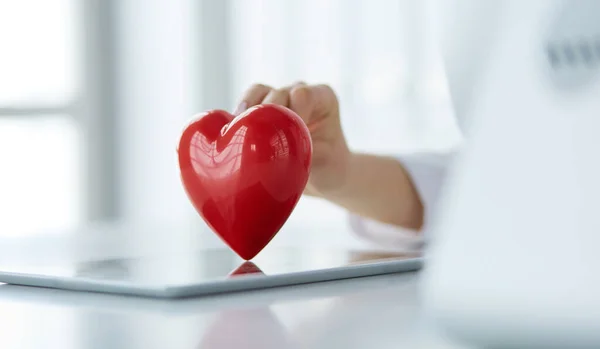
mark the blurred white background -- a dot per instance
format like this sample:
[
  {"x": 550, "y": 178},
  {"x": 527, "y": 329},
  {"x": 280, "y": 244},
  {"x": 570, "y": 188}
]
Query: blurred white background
[{"x": 94, "y": 93}]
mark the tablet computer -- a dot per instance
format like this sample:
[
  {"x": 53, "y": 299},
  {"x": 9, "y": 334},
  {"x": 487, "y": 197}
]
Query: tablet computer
[{"x": 204, "y": 272}]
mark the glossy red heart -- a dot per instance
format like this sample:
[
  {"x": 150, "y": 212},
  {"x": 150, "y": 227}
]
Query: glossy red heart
[{"x": 245, "y": 175}]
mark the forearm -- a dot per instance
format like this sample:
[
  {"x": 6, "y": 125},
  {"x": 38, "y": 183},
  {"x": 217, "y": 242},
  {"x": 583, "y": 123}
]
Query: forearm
[{"x": 379, "y": 188}]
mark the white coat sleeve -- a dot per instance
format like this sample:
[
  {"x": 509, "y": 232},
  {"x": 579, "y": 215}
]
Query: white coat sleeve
[{"x": 427, "y": 172}]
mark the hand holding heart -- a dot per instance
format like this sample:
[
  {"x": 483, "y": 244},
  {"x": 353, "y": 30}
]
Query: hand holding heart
[
  {"x": 244, "y": 174},
  {"x": 318, "y": 107}
]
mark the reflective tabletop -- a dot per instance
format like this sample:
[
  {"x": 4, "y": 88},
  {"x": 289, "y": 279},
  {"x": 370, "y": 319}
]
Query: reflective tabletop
[
  {"x": 374, "y": 312},
  {"x": 369, "y": 312}
]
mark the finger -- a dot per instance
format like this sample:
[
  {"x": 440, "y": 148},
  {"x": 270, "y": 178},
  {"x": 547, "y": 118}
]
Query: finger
[
  {"x": 301, "y": 102},
  {"x": 279, "y": 96},
  {"x": 253, "y": 96},
  {"x": 324, "y": 100}
]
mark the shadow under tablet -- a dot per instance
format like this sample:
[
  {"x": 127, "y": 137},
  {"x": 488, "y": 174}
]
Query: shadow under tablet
[{"x": 209, "y": 271}]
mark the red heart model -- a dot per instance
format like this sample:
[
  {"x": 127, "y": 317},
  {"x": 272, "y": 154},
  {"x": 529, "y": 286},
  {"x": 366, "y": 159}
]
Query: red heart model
[{"x": 244, "y": 175}]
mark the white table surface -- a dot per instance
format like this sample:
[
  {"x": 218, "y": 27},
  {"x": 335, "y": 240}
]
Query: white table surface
[{"x": 373, "y": 312}]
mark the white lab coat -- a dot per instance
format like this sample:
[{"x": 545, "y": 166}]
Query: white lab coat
[{"x": 465, "y": 29}]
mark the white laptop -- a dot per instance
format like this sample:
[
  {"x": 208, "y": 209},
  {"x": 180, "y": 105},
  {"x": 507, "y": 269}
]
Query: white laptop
[{"x": 514, "y": 260}]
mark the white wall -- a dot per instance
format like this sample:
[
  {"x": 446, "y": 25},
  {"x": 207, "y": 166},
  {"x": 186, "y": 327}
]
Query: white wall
[{"x": 155, "y": 99}]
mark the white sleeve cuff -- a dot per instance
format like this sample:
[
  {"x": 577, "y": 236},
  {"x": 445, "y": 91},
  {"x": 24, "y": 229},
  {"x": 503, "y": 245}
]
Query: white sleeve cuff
[{"x": 427, "y": 173}]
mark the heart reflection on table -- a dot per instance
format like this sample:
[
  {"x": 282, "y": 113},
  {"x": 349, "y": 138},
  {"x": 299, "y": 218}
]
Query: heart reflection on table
[
  {"x": 246, "y": 268},
  {"x": 246, "y": 328}
]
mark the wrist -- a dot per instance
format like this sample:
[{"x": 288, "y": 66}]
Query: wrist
[
  {"x": 340, "y": 177},
  {"x": 378, "y": 187}
]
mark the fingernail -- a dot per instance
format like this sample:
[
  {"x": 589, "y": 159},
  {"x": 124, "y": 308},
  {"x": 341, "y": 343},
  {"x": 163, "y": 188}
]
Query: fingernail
[{"x": 240, "y": 108}]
